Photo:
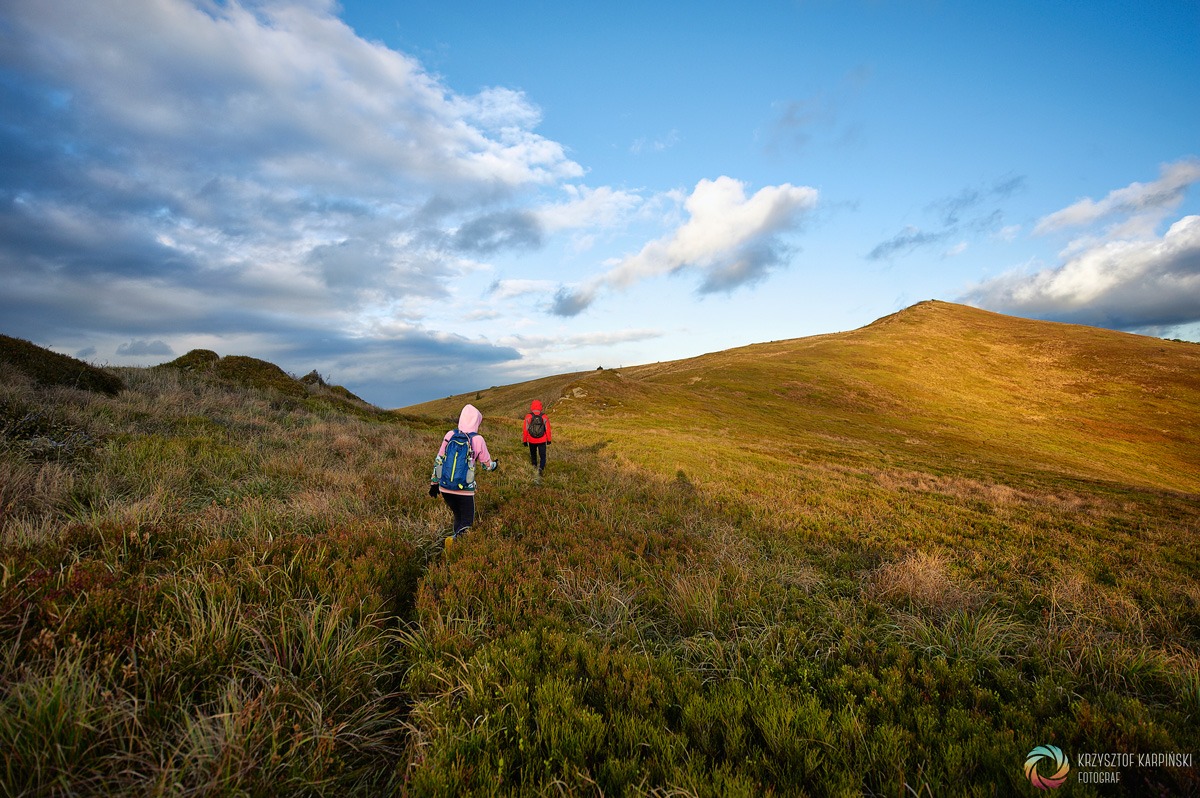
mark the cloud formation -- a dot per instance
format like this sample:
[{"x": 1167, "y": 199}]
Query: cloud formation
[
  {"x": 580, "y": 340},
  {"x": 588, "y": 207},
  {"x": 907, "y": 240},
  {"x": 642, "y": 144},
  {"x": 499, "y": 230},
  {"x": 728, "y": 239},
  {"x": 175, "y": 168},
  {"x": 967, "y": 212},
  {"x": 1119, "y": 272},
  {"x": 1137, "y": 201},
  {"x": 798, "y": 122},
  {"x": 142, "y": 348},
  {"x": 407, "y": 363},
  {"x": 511, "y": 289}
]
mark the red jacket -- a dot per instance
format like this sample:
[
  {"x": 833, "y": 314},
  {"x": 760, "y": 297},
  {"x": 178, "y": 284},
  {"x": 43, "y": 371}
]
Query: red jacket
[{"x": 536, "y": 408}]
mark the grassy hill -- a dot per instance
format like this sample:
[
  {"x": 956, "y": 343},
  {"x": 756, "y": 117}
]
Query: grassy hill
[
  {"x": 891, "y": 561},
  {"x": 937, "y": 386}
]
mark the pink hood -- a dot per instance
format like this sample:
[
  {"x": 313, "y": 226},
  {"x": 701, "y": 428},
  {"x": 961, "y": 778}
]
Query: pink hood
[{"x": 469, "y": 419}]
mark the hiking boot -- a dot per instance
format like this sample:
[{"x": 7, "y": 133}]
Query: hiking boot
[{"x": 454, "y": 538}]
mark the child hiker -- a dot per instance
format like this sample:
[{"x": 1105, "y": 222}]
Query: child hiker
[
  {"x": 454, "y": 469},
  {"x": 536, "y": 435}
]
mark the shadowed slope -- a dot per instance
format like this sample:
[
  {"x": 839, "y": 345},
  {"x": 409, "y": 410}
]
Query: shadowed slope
[
  {"x": 262, "y": 375},
  {"x": 50, "y": 368}
]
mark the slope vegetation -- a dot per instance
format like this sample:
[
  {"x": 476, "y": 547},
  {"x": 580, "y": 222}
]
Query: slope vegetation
[
  {"x": 893, "y": 561},
  {"x": 920, "y": 548}
]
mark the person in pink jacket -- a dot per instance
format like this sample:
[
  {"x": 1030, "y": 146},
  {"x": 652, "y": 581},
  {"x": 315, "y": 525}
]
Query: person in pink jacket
[
  {"x": 536, "y": 435},
  {"x": 460, "y": 495}
]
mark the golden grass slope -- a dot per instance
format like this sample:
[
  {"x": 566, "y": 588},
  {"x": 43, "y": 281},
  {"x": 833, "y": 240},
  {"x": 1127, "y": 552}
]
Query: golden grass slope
[{"x": 937, "y": 387}]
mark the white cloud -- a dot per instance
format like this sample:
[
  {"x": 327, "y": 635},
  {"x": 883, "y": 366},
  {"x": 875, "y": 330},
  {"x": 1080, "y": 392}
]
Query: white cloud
[
  {"x": 1135, "y": 200},
  {"x": 498, "y": 108},
  {"x": 1119, "y": 271},
  {"x": 588, "y": 208},
  {"x": 1125, "y": 284},
  {"x": 666, "y": 142},
  {"x": 288, "y": 91},
  {"x": 511, "y": 289},
  {"x": 537, "y": 343},
  {"x": 728, "y": 238}
]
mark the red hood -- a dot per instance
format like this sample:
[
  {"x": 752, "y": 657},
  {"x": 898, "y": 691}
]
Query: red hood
[{"x": 536, "y": 406}]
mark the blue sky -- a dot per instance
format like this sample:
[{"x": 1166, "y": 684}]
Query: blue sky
[{"x": 420, "y": 199}]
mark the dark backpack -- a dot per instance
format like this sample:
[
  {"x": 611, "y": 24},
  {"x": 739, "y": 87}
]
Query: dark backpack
[
  {"x": 458, "y": 468},
  {"x": 537, "y": 426}
]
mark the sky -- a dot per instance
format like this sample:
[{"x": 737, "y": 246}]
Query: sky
[{"x": 424, "y": 199}]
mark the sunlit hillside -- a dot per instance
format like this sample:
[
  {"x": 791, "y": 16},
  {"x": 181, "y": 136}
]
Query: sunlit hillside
[
  {"x": 936, "y": 386},
  {"x": 891, "y": 561}
]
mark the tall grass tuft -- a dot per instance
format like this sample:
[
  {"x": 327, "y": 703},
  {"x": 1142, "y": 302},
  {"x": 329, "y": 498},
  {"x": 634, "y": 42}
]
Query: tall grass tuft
[{"x": 920, "y": 579}]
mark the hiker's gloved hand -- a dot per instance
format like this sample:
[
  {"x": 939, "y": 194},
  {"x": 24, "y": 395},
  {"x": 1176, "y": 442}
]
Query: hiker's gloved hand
[
  {"x": 433, "y": 489},
  {"x": 525, "y": 444}
]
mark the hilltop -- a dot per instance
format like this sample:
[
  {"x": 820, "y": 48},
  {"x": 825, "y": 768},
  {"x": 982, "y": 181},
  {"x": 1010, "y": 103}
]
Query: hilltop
[
  {"x": 250, "y": 372},
  {"x": 50, "y": 368}
]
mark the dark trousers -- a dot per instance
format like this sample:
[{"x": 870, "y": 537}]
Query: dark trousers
[
  {"x": 537, "y": 451},
  {"x": 463, "y": 508}
]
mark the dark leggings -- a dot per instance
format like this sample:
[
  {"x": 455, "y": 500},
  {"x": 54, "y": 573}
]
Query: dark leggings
[
  {"x": 537, "y": 450},
  {"x": 463, "y": 507}
]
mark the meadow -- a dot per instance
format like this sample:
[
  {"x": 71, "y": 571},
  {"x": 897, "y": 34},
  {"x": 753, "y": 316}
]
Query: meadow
[{"x": 886, "y": 562}]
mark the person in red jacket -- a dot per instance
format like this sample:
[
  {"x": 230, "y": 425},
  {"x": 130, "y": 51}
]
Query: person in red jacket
[{"x": 536, "y": 435}]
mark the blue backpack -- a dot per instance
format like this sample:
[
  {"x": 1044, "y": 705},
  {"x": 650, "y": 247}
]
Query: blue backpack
[{"x": 458, "y": 466}]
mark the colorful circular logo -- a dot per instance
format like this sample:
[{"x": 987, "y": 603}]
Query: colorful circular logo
[{"x": 1055, "y": 760}]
